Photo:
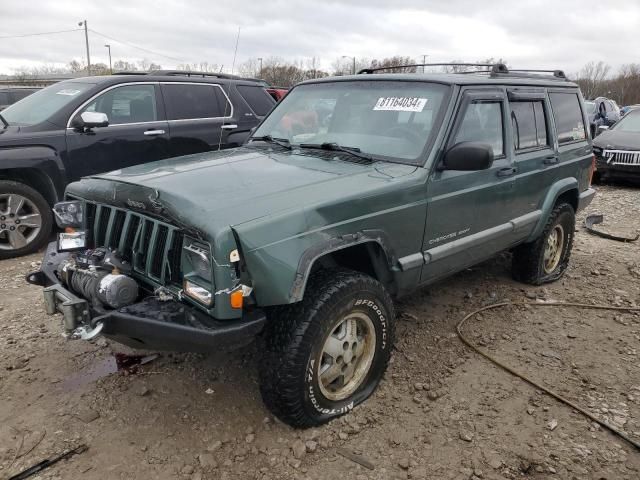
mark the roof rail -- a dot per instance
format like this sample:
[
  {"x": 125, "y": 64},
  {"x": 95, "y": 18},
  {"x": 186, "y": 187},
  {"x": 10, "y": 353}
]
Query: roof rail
[
  {"x": 555, "y": 73},
  {"x": 189, "y": 73},
  {"x": 494, "y": 67},
  {"x": 129, "y": 72}
]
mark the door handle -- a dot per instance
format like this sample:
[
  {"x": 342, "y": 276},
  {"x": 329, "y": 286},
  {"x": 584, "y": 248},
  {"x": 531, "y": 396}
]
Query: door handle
[
  {"x": 506, "y": 172},
  {"x": 551, "y": 160},
  {"x": 231, "y": 126},
  {"x": 154, "y": 132}
]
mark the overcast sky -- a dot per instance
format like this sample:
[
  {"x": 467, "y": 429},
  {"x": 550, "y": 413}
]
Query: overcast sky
[{"x": 527, "y": 33}]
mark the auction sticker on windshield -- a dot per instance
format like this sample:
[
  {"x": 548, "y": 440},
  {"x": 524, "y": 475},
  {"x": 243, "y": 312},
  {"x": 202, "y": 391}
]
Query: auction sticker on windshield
[
  {"x": 401, "y": 104},
  {"x": 68, "y": 91}
]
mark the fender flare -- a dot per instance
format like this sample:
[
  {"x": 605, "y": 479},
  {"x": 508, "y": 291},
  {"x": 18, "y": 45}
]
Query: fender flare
[
  {"x": 44, "y": 160},
  {"x": 335, "y": 244},
  {"x": 554, "y": 192}
]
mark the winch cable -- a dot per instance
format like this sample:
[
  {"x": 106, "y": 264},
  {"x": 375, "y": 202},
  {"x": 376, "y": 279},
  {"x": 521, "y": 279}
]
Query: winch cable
[{"x": 537, "y": 385}]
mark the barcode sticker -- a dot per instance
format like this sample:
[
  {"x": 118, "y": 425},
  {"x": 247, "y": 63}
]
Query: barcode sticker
[{"x": 401, "y": 104}]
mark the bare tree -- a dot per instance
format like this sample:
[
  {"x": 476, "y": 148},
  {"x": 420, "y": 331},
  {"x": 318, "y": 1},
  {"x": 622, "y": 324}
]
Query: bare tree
[{"x": 591, "y": 79}]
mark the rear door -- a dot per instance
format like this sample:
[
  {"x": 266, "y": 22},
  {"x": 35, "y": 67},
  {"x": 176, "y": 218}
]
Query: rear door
[
  {"x": 535, "y": 155},
  {"x": 468, "y": 212},
  {"x": 200, "y": 116},
  {"x": 137, "y": 131}
]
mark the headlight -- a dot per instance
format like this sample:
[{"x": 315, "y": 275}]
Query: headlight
[
  {"x": 198, "y": 260},
  {"x": 69, "y": 214},
  {"x": 197, "y": 271}
]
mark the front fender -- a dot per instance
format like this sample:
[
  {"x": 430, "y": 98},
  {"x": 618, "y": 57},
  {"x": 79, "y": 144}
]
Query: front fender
[
  {"x": 45, "y": 160},
  {"x": 554, "y": 192}
]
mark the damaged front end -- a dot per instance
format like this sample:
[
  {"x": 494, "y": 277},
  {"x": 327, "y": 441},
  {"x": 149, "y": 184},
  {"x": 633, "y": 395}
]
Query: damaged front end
[{"x": 142, "y": 282}]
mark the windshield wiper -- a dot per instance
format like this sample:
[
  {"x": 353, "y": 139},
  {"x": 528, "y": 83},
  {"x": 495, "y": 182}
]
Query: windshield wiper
[
  {"x": 6, "y": 124},
  {"x": 333, "y": 146},
  {"x": 283, "y": 142}
]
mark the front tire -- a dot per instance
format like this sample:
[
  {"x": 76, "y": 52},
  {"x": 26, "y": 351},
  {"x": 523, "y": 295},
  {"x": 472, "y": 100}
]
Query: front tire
[
  {"x": 327, "y": 353},
  {"x": 25, "y": 219},
  {"x": 546, "y": 259}
]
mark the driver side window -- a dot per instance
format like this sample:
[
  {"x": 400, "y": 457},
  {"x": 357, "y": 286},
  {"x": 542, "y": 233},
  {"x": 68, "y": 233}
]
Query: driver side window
[
  {"x": 482, "y": 122},
  {"x": 127, "y": 104}
]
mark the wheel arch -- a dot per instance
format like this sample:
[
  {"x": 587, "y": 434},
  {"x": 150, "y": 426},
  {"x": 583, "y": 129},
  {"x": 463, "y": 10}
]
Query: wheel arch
[
  {"x": 564, "y": 191},
  {"x": 34, "y": 178},
  {"x": 367, "y": 252}
]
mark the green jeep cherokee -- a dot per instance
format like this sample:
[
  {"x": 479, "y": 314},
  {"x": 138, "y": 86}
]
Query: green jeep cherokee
[{"x": 352, "y": 192}]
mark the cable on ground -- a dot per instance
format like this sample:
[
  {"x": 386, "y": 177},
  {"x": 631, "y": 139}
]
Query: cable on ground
[{"x": 537, "y": 385}]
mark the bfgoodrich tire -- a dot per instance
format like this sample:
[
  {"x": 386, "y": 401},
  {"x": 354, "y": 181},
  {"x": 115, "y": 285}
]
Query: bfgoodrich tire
[
  {"x": 327, "y": 353},
  {"x": 547, "y": 258},
  {"x": 25, "y": 219}
]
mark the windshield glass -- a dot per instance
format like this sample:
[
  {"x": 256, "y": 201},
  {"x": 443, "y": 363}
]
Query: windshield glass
[
  {"x": 591, "y": 107},
  {"x": 388, "y": 119},
  {"x": 41, "y": 105},
  {"x": 629, "y": 123}
]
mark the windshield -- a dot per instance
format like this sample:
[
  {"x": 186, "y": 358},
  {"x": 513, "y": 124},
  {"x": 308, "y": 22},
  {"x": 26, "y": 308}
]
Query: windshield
[
  {"x": 41, "y": 105},
  {"x": 591, "y": 107},
  {"x": 629, "y": 123},
  {"x": 388, "y": 119}
]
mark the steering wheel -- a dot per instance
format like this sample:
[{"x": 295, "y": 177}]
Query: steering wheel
[{"x": 403, "y": 132}]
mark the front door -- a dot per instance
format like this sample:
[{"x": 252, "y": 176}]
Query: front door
[
  {"x": 469, "y": 212},
  {"x": 137, "y": 132}
]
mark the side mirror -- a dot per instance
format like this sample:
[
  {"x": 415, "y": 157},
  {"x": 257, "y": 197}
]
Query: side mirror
[
  {"x": 89, "y": 120},
  {"x": 602, "y": 128},
  {"x": 468, "y": 156}
]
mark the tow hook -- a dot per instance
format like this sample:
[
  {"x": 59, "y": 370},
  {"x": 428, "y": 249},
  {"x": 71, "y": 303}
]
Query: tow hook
[{"x": 87, "y": 333}]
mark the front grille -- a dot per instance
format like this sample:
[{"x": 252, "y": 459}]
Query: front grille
[
  {"x": 152, "y": 247},
  {"x": 622, "y": 157}
]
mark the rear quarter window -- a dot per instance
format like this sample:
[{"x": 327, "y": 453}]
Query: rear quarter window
[
  {"x": 568, "y": 117},
  {"x": 257, "y": 98}
]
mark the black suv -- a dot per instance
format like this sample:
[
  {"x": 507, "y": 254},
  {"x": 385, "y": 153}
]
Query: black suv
[{"x": 91, "y": 125}]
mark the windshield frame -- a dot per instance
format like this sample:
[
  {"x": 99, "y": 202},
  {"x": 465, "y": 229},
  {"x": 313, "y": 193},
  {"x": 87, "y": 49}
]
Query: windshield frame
[
  {"x": 83, "y": 87},
  {"x": 616, "y": 126},
  {"x": 438, "y": 123}
]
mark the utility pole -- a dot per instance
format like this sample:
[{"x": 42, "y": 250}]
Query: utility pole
[
  {"x": 424, "y": 60},
  {"x": 110, "y": 68},
  {"x": 86, "y": 41},
  {"x": 354, "y": 63},
  {"x": 260, "y": 72}
]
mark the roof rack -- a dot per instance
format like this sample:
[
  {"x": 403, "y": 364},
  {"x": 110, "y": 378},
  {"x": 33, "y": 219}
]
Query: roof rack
[
  {"x": 180, "y": 73},
  {"x": 493, "y": 69}
]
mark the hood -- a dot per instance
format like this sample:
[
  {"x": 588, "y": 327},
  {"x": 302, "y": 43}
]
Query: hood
[
  {"x": 617, "y": 140},
  {"x": 231, "y": 187}
]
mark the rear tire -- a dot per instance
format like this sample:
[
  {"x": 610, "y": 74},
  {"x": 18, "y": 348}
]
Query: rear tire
[
  {"x": 547, "y": 258},
  {"x": 327, "y": 353},
  {"x": 25, "y": 219}
]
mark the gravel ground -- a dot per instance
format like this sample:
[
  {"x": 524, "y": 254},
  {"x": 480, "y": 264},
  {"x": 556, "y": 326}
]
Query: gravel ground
[{"x": 442, "y": 412}]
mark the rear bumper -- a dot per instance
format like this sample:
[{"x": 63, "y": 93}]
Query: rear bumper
[
  {"x": 586, "y": 198},
  {"x": 151, "y": 323}
]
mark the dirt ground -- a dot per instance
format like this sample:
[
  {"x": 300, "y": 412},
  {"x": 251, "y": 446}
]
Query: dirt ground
[{"x": 442, "y": 412}]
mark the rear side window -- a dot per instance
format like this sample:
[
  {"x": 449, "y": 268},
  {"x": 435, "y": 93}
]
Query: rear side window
[
  {"x": 257, "y": 98},
  {"x": 568, "y": 117},
  {"x": 482, "y": 122},
  {"x": 194, "y": 101},
  {"x": 529, "y": 126}
]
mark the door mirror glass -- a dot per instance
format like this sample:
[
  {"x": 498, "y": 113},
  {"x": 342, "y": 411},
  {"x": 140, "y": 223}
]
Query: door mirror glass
[
  {"x": 468, "y": 156},
  {"x": 88, "y": 120}
]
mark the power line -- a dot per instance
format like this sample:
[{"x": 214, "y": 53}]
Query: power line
[
  {"x": 136, "y": 46},
  {"x": 40, "y": 33}
]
